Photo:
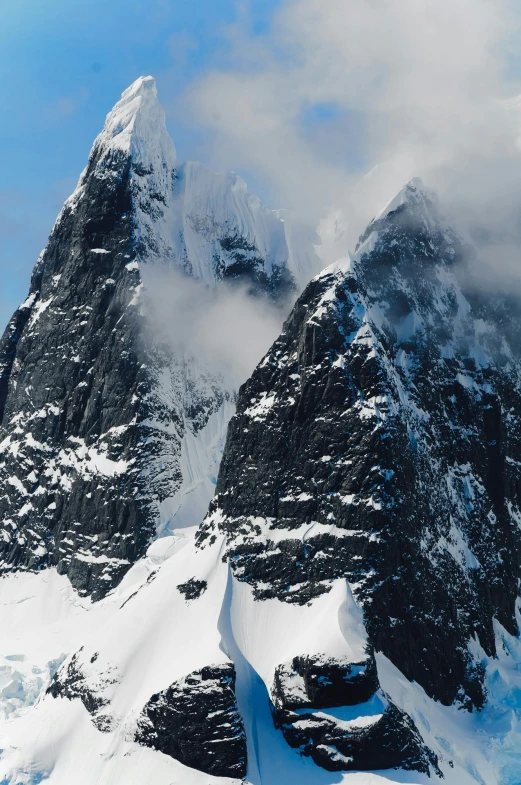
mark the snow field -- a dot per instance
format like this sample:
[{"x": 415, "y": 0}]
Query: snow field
[{"x": 146, "y": 635}]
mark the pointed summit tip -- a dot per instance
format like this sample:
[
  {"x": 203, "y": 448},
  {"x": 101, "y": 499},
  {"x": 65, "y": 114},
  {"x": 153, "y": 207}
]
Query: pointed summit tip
[
  {"x": 410, "y": 192},
  {"x": 415, "y": 183},
  {"x": 136, "y": 125},
  {"x": 142, "y": 86}
]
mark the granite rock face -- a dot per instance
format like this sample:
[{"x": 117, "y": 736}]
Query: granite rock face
[
  {"x": 311, "y": 680},
  {"x": 379, "y": 440},
  {"x": 73, "y": 385},
  {"x": 342, "y": 740},
  {"x": 106, "y": 433}
]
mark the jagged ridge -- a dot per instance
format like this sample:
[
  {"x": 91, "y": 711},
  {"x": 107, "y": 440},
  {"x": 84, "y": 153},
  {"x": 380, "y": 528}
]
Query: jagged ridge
[
  {"x": 100, "y": 417},
  {"x": 379, "y": 440}
]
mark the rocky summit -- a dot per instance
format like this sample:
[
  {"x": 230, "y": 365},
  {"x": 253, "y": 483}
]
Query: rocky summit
[
  {"x": 345, "y": 607},
  {"x": 378, "y": 441},
  {"x": 107, "y": 435}
]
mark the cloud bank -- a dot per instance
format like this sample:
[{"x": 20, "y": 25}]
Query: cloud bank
[
  {"x": 342, "y": 101},
  {"x": 227, "y": 330}
]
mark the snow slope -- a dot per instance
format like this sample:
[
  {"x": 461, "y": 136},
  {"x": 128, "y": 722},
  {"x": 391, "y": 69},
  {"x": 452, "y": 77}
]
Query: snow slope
[{"x": 146, "y": 635}]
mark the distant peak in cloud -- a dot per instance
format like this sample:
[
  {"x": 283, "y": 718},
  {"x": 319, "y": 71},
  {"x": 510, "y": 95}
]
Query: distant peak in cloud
[{"x": 414, "y": 190}]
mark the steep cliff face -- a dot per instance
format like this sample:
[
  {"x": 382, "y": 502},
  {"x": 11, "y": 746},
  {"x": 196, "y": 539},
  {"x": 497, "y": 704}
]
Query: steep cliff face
[
  {"x": 379, "y": 441},
  {"x": 107, "y": 433},
  {"x": 354, "y": 584}
]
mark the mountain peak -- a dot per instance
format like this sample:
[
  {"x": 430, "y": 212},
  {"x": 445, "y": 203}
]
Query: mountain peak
[
  {"x": 136, "y": 125},
  {"x": 142, "y": 86},
  {"x": 412, "y": 192},
  {"x": 414, "y": 228}
]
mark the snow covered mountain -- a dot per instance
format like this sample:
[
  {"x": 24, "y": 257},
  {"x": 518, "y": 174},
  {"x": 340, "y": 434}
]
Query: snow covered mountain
[
  {"x": 107, "y": 434},
  {"x": 379, "y": 441},
  {"x": 418, "y": 482},
  {"x": 347, "y": 610}
]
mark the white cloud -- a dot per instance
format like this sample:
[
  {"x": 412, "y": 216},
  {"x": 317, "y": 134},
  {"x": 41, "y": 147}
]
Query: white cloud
[
  {"x": 225, "y": 328},
  {"x": 407, "y": 88}
]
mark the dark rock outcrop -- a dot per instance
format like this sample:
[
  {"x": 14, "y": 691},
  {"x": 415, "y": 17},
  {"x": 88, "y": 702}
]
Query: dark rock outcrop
[
  {"x": 71, "y": 682},
  {"x": 336, "y": 713},
  {"x": 196, "y": 721},
  {"x": 380, "y": 440},
  {"x": 324, "y": 682},
  {"x": 193, "y": 588},
  {"x": 338, "y": 740}
]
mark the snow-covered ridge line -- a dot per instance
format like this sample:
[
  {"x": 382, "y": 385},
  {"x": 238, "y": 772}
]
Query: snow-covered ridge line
[{"x": 124, "y": 663}]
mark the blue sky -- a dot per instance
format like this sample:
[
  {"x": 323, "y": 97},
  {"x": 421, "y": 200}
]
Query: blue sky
[
  {"x": 63, "y": 65},
  {"x": 302, "y": 103}
]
